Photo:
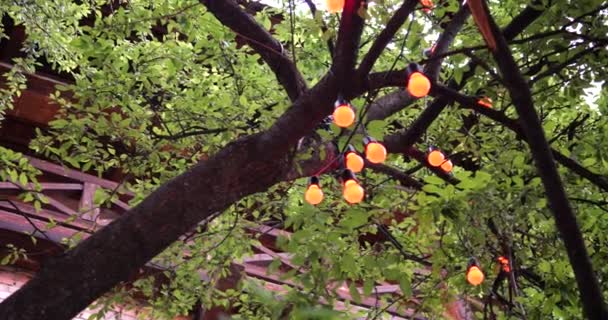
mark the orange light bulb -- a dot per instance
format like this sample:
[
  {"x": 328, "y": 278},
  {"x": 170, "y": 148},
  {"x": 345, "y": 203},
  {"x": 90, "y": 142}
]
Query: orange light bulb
[
  {"x": 353, "y": 192},
  {"x": 475, "y": 276},
  {"x": 334, "y": 6},
  {"x": 485, "y": 101},
  {"x": 314, "y": 194},
  {"x": 354, "y": 162},
  {"x": 435, "y": 158},
  {"x": 447, "y": 166},
  {"x": 375, "y": 152},
  {"x": 418, "y": 85},
  {"x": 427, "y": 5},
  {"x": 344, "y": 116},
  {"x": 504, "y": 263}
]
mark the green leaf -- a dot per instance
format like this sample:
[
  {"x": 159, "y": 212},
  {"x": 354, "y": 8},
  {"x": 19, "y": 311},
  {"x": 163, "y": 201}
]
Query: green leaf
[
  {"x": 405, "y": 284},
  {"x": 23, "y": 179},
  {"x": 375, "y": 128},
  {"x": 355, "y": 217},
  {"x": 354, "y": 292}
]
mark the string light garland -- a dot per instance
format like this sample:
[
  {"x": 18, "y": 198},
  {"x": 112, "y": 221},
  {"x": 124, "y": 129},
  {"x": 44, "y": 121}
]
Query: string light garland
[
  {"x": 485, "y": 102},
  {"x": 474, "y": 274},
  {"x": 352, "y": 160},
  {"x": 334, "y": 6},
  {"x": 435, "y": 157},
  {"x": 353, "y": 192},
  {"x": 313, "y": 194},
  {"x": 375, "y": 152},
  {"x": 418, "y": 85},
  {"x": 344, "y": 114}
]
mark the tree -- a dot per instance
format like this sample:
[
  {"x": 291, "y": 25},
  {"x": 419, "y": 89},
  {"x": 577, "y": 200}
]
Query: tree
[{"x": 165, "y": 92}]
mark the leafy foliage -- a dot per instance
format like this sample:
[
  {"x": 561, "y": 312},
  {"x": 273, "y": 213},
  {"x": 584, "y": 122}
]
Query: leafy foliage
[{"x": 160, "y": 85}]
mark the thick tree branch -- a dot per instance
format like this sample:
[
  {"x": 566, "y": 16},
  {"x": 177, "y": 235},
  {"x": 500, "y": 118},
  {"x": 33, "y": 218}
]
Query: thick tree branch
[
  {"x": 347, "y": 45},
  {"x": 232, "y": 16},
  {"x": 402, "y": 141},
  {"x": 591, "y": 294},
  {"x": 391, "y": 28},
  {"x": 252, "y": 164}
]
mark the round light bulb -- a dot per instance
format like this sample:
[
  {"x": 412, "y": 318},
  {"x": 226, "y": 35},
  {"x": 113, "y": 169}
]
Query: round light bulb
[
  {"x": 334, "y": 6},
  {"x": 353, "y": 192},
  {"x": 485, "y": 101},
  {"x": 427, "y": 5},
  {"x": 375, "y": 152},
  {"x": 447, "y": 166},
  {"x": 418, "y": 85},
  {"x": 475, "y": 276},
  {"x": 435, "y": 158},
  {"x": 344, "y": 116},
  {"x": 354, "y": 162},
  {"x": 314, "y": 194}
]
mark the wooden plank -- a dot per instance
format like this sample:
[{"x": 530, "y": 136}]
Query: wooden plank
[
  {"x": 87, "y": 206},
  {"x": 17, "y": 223},
  {"x": 61, "y": 207},
  {"x": 266, "y": 230},
  {"x": 343, "y": 294},
  {"x": 264, "y": 257},
  {"x": 73, "y": 174},
  {"x": 121, "y": 205},
  {"x": 44, "y": 186},
  {"x": 285, "y": 259},
  {"x": 5, "y": 66},
  {"x": 47, "y": 215}
]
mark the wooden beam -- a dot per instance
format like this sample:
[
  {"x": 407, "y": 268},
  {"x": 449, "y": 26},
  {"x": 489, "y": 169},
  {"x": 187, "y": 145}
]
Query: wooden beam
[
  {"x": 73, "y": 174},
  {"x": 15, "y": 222},
  {"x": 87, "y": 206},
  {"x": 43, "y": 186},
  {"x": 46, "y": 215},
  {"x": 61, "y": 207}
]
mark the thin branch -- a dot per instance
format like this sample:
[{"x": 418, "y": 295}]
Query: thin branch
[
  {"x": 558, "y": 67},
  {"x": 387, "y": 34},
  {"x": 29, "y": 220},
  {"x": 232, "y": 16},
  {"x": 313, "y": 11},
  {"x": 393, "y": 102},
  {"x": 397, "y": 174},
  {"x": 445, "y": 40},
  {"x": 384, "y": 230},
  {"x": 512, "y": 124}
]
